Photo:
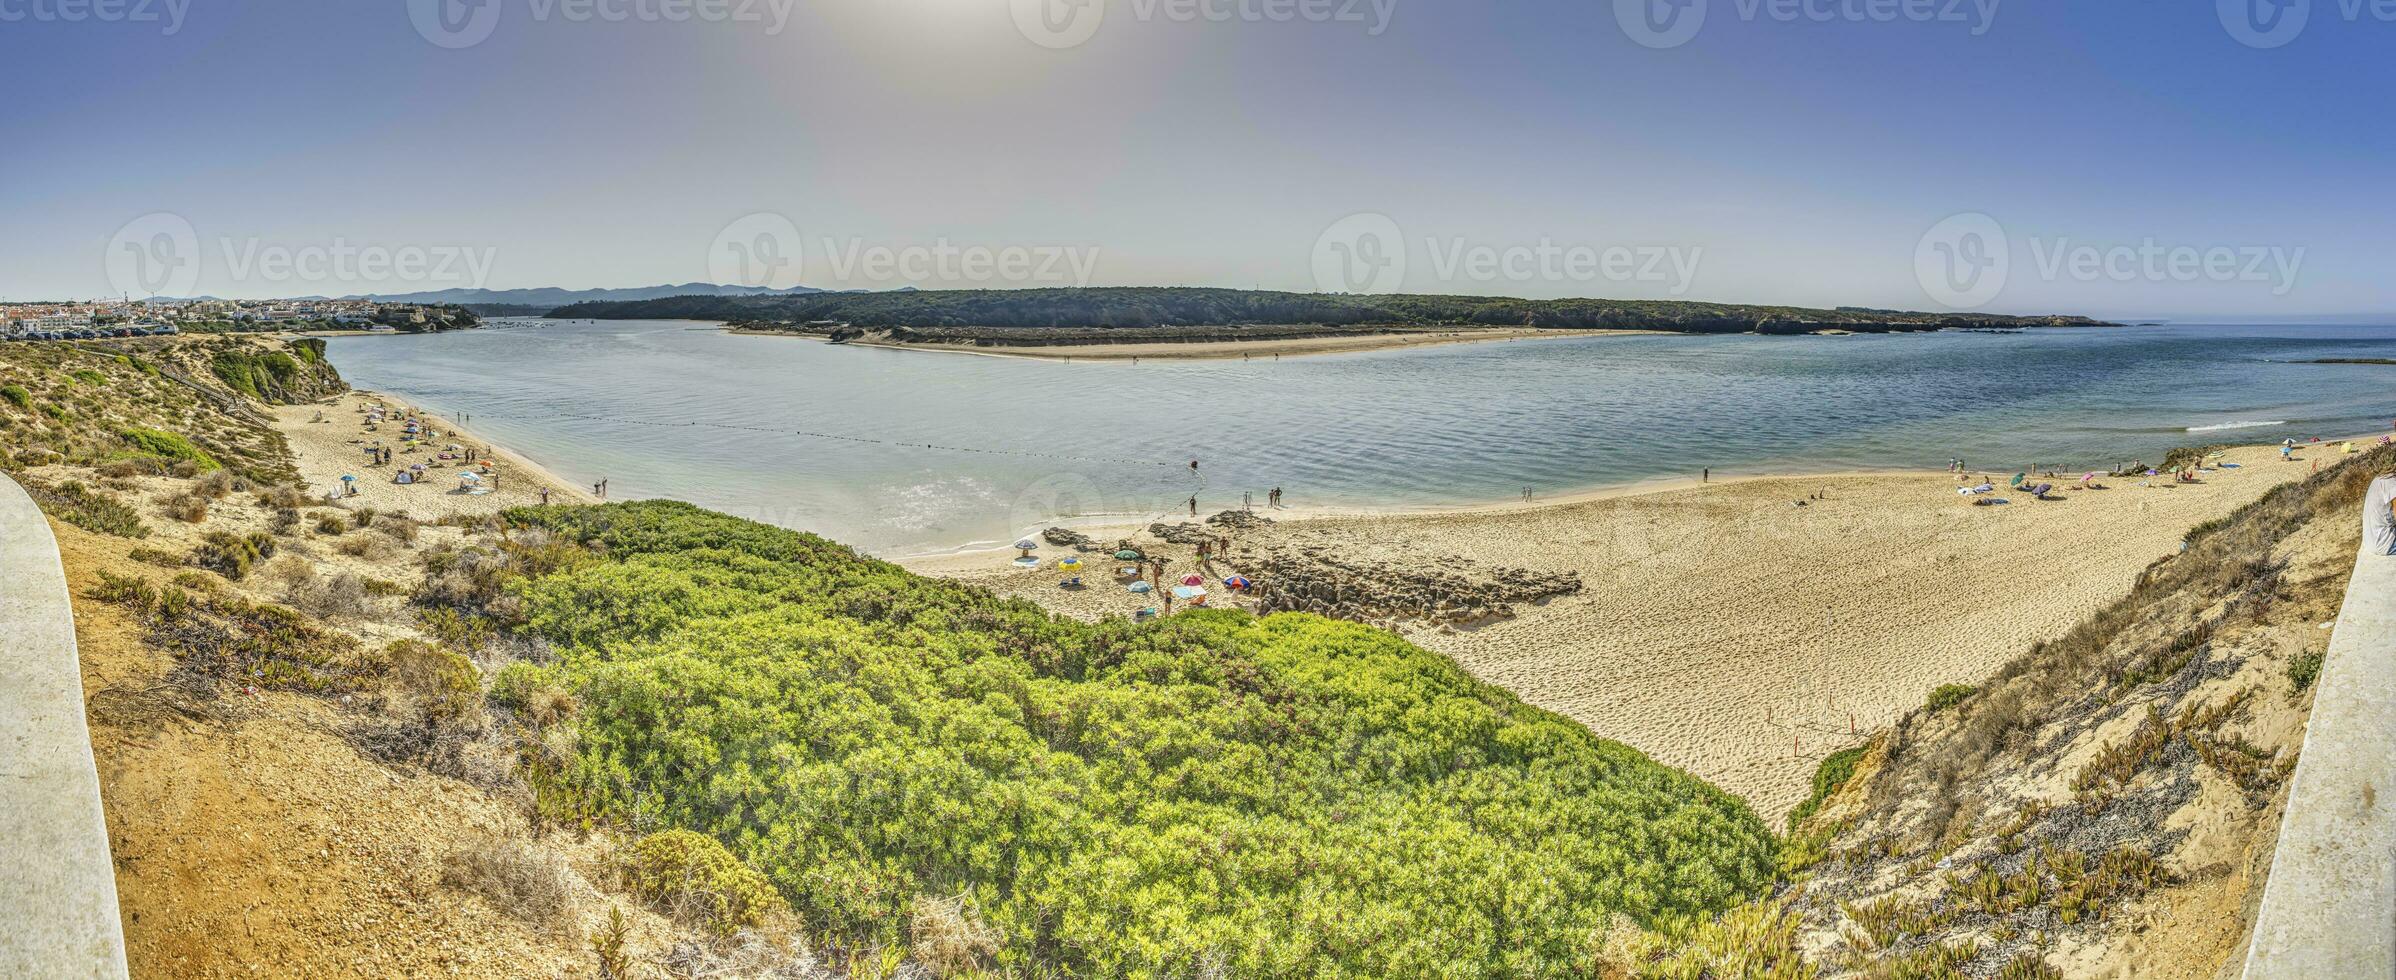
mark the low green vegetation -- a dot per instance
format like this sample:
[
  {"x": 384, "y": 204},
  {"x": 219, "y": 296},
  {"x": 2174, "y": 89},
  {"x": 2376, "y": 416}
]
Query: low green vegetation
[
  {"x": 18, "y": 396},
  {"x": 257, "y": 374},
  {"x": 1949, "y": 695},
  {"x": 167, "y": 447},
  {"x": 2305, "y": 668},
  {"x": 89, "y": 509},
  {"x": 1835, "y": 770},
  {"x": 914, "y": 762},
  {"x": 693, "y": 878}
]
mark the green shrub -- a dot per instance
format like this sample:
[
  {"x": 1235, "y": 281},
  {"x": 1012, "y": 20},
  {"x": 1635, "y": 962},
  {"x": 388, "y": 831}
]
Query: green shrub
[
  {"x": 169, "y": 447},
  {"x": 232, "y": 555},
  {"x": 448, "y": 685},
  {"x": 89, "y": 377},
  {"x": 2305, "y": 668},
  {"x": 1286, "y": 796},
  {"x": 1949, "y": 695},
  {"x": 696, "y": 880},
  {"x": 17, "y": 395},
  {"x": 1834, "y": 771}
]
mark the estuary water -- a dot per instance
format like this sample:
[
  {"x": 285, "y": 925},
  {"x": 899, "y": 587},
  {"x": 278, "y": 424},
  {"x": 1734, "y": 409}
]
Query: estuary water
[{"x": 906, "y": 452}]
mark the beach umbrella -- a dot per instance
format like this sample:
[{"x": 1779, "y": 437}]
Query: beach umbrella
[
  {"x": 1027, "y": 544},
  {"x": 1193, "y": 579},
  {"x": 1070, "y": 564},
  {"x": 1237, "y": 582},
  {"x": 1127, "y": 555},
  {"x": 1139, "y": 588}
]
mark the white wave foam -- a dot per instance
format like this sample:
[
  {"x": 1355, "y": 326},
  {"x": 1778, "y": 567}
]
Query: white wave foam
[{"x": 2233, "y": 425}]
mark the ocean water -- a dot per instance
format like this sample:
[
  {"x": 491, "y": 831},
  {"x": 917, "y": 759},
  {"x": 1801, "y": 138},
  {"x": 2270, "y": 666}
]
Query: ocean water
[{"x": 901, "y": 452}]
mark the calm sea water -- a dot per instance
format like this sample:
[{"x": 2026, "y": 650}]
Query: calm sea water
[{"x": 903, "y": 452}]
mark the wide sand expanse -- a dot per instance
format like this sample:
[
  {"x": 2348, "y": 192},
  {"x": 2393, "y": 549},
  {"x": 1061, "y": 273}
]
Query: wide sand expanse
[
  {"x": 1237, "y": 349},
  {"x": 1729, "y": 631},
  {"x": 329, "y": 439}
]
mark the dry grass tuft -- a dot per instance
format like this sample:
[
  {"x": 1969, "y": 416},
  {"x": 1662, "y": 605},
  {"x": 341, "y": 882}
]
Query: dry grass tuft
[
  {"x": 519, "y": 877},
  {"x": 947, "y": 938}
]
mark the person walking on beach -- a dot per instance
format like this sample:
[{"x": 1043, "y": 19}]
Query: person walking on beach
[
  {"x": 1706, "y": 475},
  {"x": 544, "y": 496},
  {"x": 1193, "y": 500}
]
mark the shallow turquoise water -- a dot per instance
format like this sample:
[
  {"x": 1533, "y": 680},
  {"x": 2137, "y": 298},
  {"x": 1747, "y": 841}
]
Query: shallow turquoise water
[{"x": 909, "y": 452}]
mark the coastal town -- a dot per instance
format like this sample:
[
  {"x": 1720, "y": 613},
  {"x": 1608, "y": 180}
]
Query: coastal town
[{"x": 92, "y": 320}]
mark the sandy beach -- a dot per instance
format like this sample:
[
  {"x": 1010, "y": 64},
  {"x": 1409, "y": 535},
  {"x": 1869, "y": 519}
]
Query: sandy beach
[
  {"x": 1743, "y": 630},
  {"x": 329, "y": 439},
  {"x": 1226, "y": 349}
]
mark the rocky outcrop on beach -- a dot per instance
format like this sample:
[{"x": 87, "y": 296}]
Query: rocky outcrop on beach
[
  {"x": 1446, "y": 591},
  {"x": 1239, "y": 520},
  {"x": 1067, "y": 538}
]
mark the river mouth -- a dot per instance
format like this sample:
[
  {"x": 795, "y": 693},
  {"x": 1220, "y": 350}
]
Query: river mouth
[{"x": 906, "y": 452}]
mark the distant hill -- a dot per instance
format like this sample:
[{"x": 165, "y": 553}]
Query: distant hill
[
  {"x": 550, "y": 297},
  {"x": 1139, "y": 307}
]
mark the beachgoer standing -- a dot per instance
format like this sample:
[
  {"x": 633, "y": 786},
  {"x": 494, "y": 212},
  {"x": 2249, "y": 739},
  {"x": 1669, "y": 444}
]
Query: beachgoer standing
[
  {"x": 544, "y": 496},
  {"x": 1193, "y": 500},
  {"x": 1706, "y": 475}
]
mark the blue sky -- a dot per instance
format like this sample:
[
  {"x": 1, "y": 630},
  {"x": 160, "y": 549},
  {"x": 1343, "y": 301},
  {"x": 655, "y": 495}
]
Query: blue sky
[{"x": 2136, "y": 156}]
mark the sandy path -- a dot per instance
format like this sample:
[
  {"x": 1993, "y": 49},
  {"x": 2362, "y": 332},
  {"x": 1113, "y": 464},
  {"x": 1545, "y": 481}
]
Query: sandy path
[
  {"x": 1729, "y": 632},
  {"x": 326, "y": 450}
]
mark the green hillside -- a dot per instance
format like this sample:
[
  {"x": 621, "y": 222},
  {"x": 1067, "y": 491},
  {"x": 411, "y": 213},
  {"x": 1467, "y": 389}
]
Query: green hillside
[{"x": 1211, "y": 794}]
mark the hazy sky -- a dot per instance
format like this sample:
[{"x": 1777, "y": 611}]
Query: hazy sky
[{"x": 2132, "y": 157}]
